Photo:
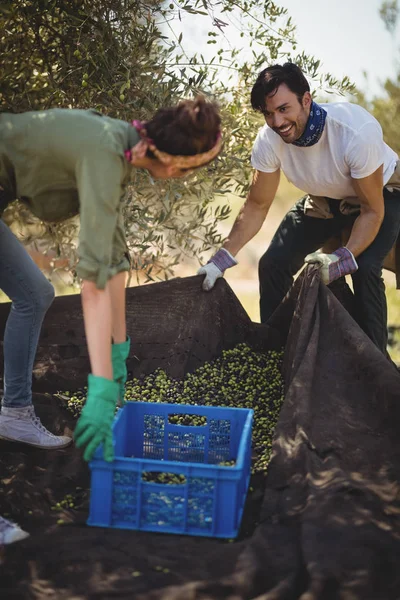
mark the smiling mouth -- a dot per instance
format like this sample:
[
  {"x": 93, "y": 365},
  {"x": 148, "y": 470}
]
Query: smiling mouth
[{"x": 284, "y": 131}]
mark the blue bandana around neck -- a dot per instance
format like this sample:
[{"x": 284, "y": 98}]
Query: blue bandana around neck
[{"x": 314, "y": 128}]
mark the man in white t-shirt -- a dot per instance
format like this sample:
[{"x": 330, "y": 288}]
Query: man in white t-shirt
[{"x": 336, "y": 154}]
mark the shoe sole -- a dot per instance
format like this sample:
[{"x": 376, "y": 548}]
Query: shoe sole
[
  {"x": 18, "y": 536},
  {"x": 59, "y": 447}
]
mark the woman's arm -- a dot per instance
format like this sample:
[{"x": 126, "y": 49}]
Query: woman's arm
[
  {"x": 97, "y": 315},
  {"x": 117, "y": 294},
  {"x": 104, "y": 317}
]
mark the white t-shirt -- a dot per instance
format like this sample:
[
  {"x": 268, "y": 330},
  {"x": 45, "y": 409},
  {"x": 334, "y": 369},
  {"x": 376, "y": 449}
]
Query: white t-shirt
[{"x": 351, "y": 145}]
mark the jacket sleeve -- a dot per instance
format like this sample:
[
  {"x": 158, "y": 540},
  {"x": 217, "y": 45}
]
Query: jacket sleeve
[{"x": 102, "y": 243}]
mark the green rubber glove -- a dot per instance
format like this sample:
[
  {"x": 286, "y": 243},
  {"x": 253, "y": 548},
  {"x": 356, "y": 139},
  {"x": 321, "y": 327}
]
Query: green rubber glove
[
  {"x": 94, "y": 426},
  {"x": 119, "y": 355}
]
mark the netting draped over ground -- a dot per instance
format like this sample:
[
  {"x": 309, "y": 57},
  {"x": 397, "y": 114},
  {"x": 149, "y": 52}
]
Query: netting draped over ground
[
  {"x": 328, "y": 512},
  {"x": 174, "y": 326}
]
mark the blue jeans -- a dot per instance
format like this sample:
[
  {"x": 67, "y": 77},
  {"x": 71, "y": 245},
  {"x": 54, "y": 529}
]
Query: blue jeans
[
  {"x": 31, "y": 295},
  {"x": 299, "y": 234}
]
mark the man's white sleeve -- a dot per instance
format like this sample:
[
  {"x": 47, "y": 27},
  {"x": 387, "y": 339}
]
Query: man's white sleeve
[
  {"x": 263, "y": 157},
  {"x": 366, "y": 151}
]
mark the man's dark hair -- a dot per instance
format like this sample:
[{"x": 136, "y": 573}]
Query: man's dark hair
[{"x": 272, "y": 77}]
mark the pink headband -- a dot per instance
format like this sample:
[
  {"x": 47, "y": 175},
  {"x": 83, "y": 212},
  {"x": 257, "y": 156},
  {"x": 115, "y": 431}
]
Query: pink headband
[{"x": 184, "y": 162}]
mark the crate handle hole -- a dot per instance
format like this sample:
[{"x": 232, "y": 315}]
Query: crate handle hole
[
  {"x": 164, "y": 478},
  {"x": 187, "y": 420}
]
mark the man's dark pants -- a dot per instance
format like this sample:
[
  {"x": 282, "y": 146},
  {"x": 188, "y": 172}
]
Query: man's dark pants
[{"x": 300, "y": 234}]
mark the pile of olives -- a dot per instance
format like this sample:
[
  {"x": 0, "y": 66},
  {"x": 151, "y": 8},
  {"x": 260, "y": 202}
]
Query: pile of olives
[{"x": 240, "y": 377}]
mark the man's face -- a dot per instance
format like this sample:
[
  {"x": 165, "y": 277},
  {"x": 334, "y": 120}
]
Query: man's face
[{"x": 285, "y": 114}]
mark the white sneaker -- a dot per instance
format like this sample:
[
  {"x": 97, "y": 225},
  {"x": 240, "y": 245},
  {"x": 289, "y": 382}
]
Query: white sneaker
[
  {"x": 10, "y": 532},
  {"x": 22, "y": 425}
]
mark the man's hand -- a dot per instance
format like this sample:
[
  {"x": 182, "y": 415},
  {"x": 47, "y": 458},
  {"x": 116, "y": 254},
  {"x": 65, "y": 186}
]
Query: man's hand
[
  {"x": 335, "y": 265},
  {"x": 216, "y": 267},
  {"x": 48, "y": 261},
  {"x": 94, "y": 426}
]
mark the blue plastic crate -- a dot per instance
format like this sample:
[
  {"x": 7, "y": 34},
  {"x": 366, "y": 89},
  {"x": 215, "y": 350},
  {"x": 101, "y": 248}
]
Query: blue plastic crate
[{"x": 135, "y": 491}]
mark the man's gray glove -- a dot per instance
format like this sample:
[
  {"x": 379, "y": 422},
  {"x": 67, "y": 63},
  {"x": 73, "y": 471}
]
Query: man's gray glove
[
  {"x": 216, "y": 267},
  {"x": 333, "y": 266}
]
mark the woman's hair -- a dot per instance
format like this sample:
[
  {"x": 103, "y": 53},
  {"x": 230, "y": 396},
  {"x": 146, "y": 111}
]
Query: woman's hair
[
  {"x": 272, "y": 77},
  {"x": 191, "y": 127}
]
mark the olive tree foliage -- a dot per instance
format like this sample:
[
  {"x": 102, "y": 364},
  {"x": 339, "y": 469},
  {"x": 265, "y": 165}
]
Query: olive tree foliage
[
  {"x": 386, "y": 108},
  {"x": 389, "y": 13},
  {"x": 127, "y": 58}
]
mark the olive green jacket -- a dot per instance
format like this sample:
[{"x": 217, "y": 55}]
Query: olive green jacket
[{"x": 62, "y": 162}]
